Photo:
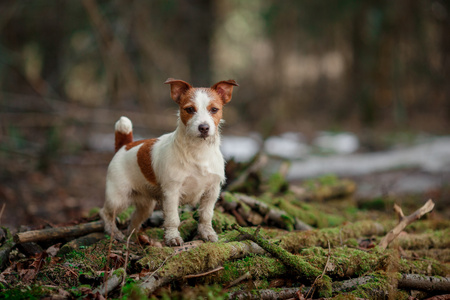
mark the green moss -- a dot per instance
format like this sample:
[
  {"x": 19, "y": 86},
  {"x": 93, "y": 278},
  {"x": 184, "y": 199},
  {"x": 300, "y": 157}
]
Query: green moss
[
  {"x": 27, "y": 292},
  {"x": 296, "y": 241},
  {"x": 260, "y": 267},
  {"x": 222, "y": 221},
  {"x": 187, "y": 229},
  {"x": 155, "y": 257},
  {"x": 155, "y": 233},
  {"x": 277, "y": 183}
]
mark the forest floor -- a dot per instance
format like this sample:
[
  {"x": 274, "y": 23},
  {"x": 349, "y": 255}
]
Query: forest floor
[{"x": 326, "y": 237}]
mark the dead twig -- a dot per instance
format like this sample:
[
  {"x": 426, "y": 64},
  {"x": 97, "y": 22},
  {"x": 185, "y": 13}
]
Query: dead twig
[
  {"x": 246, "y": 276},
  {"x": 126, "y": 260},
  {"x": 405, "y": 221},
  {"x": 203, "y": 274}
]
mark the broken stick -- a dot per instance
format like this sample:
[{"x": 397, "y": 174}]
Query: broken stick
[
  {"x": 405, "y": 221},
  {"x": 58, "y": 232}
]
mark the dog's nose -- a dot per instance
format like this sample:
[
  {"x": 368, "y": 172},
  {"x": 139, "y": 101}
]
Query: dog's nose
[{"x": 203, "y": 128}]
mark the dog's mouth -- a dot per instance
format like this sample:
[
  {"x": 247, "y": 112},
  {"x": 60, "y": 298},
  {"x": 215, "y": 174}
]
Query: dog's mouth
[{"x": 203, "y": 136}]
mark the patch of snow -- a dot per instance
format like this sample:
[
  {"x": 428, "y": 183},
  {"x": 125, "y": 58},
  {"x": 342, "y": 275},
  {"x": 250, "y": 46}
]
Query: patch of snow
[{"x": 341, "y": 143}]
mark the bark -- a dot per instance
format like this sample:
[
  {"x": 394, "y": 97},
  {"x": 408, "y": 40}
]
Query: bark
[
  {"x": 268, "y": 294},
  {"x": 424, "y": 283},
  {"x": 57, "y": 233},
  {"x": 405, "y": 221},
  {"x": 112, "y": 283}
]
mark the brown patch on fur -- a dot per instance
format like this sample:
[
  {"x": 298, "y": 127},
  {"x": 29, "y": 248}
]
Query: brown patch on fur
[
  {"x": 144, "y": 159},
  {"x": 134, "y": 144},
  {"x": 215, "y": 103},
  {"x": 185, "y": 102},
  {"x": 122, "y": 139}
]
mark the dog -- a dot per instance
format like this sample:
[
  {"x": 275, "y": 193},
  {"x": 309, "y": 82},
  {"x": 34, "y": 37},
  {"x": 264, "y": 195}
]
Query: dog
[{"x": 181, "y": 167}]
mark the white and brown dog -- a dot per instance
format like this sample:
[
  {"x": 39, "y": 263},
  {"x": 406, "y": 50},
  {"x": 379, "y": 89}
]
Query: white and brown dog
[{"x": 182, "y": 167}]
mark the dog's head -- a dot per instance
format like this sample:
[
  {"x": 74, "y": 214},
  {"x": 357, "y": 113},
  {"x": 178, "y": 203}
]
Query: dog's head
[{"x": 201, "y": 108}]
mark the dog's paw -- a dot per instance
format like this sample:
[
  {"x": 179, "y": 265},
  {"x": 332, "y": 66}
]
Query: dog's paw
[
  {"x": 172, "y": 238},
  {"x": 207, "y": 233},
  {"x": 173, "y": 242},
  {"x": 118, "y": 236}
]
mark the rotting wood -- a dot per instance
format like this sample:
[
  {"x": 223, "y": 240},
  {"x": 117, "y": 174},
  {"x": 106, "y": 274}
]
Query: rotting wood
[
  {"x": 405, "y": 221},
  {"x": 58, "y": 232}
]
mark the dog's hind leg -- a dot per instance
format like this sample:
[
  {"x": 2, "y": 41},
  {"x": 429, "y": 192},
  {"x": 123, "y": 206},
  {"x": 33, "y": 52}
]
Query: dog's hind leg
[
  {"x": 144, "y": 209},
  {"x": 115, "y": 203}
]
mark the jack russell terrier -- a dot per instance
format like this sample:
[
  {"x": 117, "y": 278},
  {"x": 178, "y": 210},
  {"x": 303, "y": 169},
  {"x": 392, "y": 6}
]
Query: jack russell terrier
[{"x": 182, "y": 167}]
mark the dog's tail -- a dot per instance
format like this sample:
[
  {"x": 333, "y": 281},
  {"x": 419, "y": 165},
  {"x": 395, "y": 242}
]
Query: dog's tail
[{"x": 124, "y": 132}]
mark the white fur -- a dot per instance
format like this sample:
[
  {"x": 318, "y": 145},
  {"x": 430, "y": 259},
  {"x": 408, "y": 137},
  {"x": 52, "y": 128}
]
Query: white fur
[
  {"x": 189, "y": 170},
  {"x": 124, "y": 125}
]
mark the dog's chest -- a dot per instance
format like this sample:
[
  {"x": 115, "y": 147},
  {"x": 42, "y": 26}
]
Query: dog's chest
[{"x": 202, "y": 178}]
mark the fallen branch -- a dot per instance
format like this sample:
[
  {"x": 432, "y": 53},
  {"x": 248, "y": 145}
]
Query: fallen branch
[
  {"x": 112, "y": 283},
  {"x": 267, "y": 294},
  {"x": 246, "y": 276},
  {"x": 424, "y": 283},
  {"x": 299, "y": 266},
  {"x": 58, "y": 232},
  {"x": 405, "y": 221}
]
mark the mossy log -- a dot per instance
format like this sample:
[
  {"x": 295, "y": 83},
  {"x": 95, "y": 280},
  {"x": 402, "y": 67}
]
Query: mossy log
[
  {"x": 438, "y": 239},
  {"x": 336, "y": 236},
  {"x": 197, "y": 260},
  {"x": 302, "y": 268},
  {"x": 328, "y": 187},
  {"x": 305, "y": 212},
  {"x": 343, "y": 263},
  {"x": 274, "y": 215}
]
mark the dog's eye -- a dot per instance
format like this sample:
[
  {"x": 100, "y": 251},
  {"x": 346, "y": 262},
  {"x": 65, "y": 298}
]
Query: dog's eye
[
  {"x": 214, "y": 110},
  {"x": 190, "y": 110}
]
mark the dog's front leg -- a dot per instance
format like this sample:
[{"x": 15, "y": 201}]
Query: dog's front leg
[
  {"x": 171, "y": 218},
  {"x": 206, "y": 212}
]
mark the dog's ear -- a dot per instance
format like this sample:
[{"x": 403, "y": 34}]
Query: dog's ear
[
  {"x": 225, "y": 89},
  {"x": 177, "y": 88}
]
